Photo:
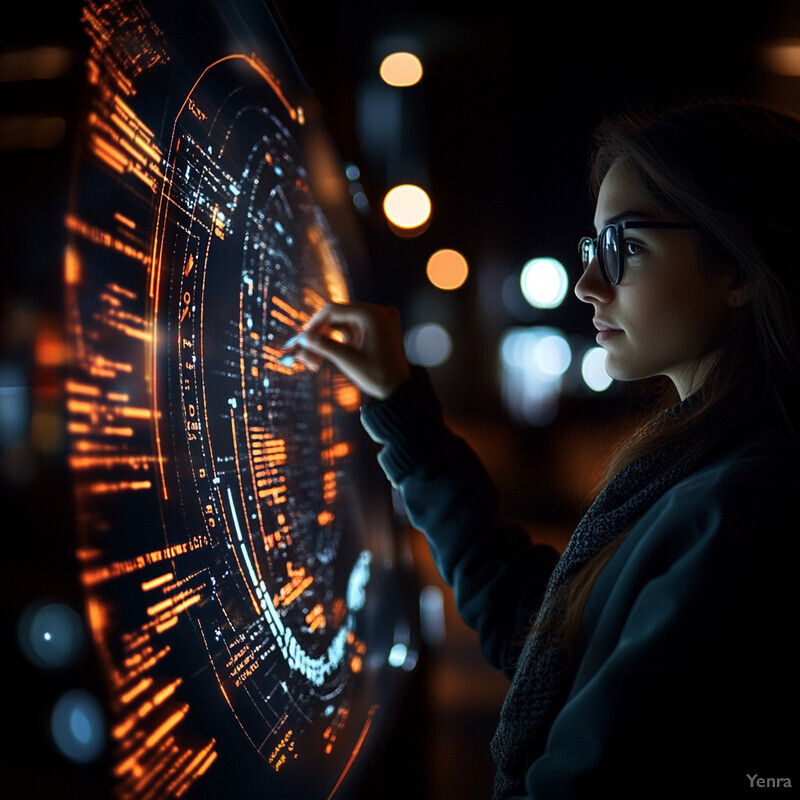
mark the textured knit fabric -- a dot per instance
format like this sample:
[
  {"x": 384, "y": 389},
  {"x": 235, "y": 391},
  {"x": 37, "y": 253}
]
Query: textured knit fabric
[{"x": 668, "y": 680}]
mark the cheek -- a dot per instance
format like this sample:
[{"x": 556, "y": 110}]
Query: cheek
[{"x": 683, "y": 317}]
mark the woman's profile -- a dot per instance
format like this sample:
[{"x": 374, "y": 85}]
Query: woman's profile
[{"x": 654, "y": 656}]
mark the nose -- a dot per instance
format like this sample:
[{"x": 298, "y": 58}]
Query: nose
[{"x": 591, "y": 288}]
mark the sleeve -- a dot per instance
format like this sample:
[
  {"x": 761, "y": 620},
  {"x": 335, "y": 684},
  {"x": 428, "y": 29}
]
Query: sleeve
[
  {"x": 688, "y": 674},
  {"x": 498, "y": 575}
]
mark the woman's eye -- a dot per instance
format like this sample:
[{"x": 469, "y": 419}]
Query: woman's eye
[{"x": 632, "y": 248}]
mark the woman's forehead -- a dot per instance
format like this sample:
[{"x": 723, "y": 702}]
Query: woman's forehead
[{"x": 623, "y": 196}]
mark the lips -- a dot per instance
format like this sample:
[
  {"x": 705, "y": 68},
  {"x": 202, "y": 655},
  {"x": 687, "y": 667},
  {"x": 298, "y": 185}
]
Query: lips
[{"x": 604, "y": 331}]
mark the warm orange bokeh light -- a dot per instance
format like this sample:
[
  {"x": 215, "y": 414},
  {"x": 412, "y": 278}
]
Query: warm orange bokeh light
[
  {"x": 447, "y": 269},
  {"x": 407, "y": 207},
  {"x": 783, "y": 57},
  {"x": 401, "y": 69}
]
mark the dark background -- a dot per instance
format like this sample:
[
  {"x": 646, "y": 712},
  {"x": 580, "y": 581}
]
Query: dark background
[{"x": 498, "y": 132}]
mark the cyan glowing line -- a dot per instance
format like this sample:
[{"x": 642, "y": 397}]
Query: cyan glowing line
[
  {"x": 317, "y": 669},
  {"x": 243, "y": 547}
]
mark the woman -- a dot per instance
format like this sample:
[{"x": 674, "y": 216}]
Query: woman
[{"x": 653, "y": 657}]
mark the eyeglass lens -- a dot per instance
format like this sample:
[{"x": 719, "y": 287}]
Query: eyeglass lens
[{"x": 609, "y": 253}]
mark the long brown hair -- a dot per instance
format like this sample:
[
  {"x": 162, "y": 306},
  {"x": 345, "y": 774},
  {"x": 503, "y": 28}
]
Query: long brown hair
[{"x": 733, "y": 168}]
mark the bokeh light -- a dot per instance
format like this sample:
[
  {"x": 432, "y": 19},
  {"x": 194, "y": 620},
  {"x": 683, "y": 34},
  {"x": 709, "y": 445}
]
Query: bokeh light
[
  {"x": 782, "y": 56},
  {"x": 447, "y": 269},
  {"x": 428, "y": 344},
  {"x": 533, "y": 361},
  {"x": 593, "y": 369},
  {"x": 50, "y": 634},
  {"x": 407, "y": 207},
  {"x": 401, "y": 69},
  {"x": 552, "y": 354},
  {"x": 544, "y": 282},
  {"x": 78, "y": 727}
]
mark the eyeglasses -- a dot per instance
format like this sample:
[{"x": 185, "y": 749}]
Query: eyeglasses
[{"x": 609, "y": 246}]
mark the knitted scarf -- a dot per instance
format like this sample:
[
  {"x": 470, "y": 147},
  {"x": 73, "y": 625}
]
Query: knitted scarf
[{"x": 541, "y": 679}]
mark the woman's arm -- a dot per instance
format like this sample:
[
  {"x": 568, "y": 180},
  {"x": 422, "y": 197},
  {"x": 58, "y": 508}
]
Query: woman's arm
[{"x": 498, "y": 575}]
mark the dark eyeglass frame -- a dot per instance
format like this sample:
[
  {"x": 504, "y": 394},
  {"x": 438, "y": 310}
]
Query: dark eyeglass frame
[{"x": 588, "y": 246}]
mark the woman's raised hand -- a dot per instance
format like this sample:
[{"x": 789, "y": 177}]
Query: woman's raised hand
[{"x": 364, "y": 341}]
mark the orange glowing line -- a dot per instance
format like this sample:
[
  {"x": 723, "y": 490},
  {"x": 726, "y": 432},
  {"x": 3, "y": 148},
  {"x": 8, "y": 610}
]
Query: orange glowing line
[
  {"x": 79, "y": 407},
  {"x": 206, "y": 764},
  {"x": 109, "y": 461},
  {"x": 132, "y": 152},
  {"x": 137, "y": 413},
  {"x": 115, "y": 165},
  {"x": 117, "y": 289},
  {"x": 159, "y": 607},
  {"x": 109, "y": 571},
  {"x": 105, "y": 147},
  {"x": 146, "y": 179},
  {"x": 122, "y": 486},
  {"x": 134, "y": 692},
  {"x": 120, "y": 731},
  {"x": 184, "y": 780},
  {"x": 356, "y": 749},
  {"x": 293, "y": 595},
  {"x": 82, "y": 388},
  {"x": 281, "y": 317},
  {"x": 109, "y": 430},
  {"x": 98, "y": 236},
  {"x": 163, "y": 729},
  {"x": 131, "y": 115},
  {"x": 121, "y": 124},
  {"x": 147, "y": 148},
  {"x": 189, "y": 265},
  {"x": 291, "y": 310},
  {"x": 168, "y": 623},
  {"x": 156, "y": 582},
  {"x": 190, "y": 601},
  {"x": 167, "y": 692}
]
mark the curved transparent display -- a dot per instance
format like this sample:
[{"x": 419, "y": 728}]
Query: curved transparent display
[{"x": 242, "y": 581}]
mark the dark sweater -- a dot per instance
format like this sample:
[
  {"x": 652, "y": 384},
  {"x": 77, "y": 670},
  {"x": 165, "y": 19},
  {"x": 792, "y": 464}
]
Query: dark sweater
[{"x": 683, "y": 683}]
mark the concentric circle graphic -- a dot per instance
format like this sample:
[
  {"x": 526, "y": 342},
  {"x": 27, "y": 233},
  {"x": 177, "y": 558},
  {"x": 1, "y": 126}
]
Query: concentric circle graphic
[{"x": 239, "y": 563}]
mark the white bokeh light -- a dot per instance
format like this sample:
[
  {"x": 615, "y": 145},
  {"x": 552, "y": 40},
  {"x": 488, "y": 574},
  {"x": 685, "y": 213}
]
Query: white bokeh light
[
  {"x": 544, "y": 282},
  {"x": 593, "y": 369},
  {"x": 533, "y": 362},
  {"x": 428, "y": 344}
]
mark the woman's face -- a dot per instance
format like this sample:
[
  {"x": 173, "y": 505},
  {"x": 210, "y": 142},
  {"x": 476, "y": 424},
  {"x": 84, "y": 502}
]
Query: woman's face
[{"x": 667, "y": 313}]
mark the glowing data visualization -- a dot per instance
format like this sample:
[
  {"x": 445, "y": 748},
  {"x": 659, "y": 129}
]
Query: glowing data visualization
[{"x": 241, "y": 577}]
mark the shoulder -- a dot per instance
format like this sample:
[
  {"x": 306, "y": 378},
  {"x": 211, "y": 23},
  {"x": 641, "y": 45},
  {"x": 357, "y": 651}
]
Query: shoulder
[
  {"x": 754, "y": 478},
  {"x": 717, "y": 547},
  {"x": 733, "y": 516}
]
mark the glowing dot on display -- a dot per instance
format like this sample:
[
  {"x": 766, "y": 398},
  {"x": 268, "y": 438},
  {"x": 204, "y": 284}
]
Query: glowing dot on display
[{"x": 544, "y": 282}]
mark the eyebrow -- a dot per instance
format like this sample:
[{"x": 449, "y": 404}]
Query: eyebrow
[{"x": 625, "y": 215}]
